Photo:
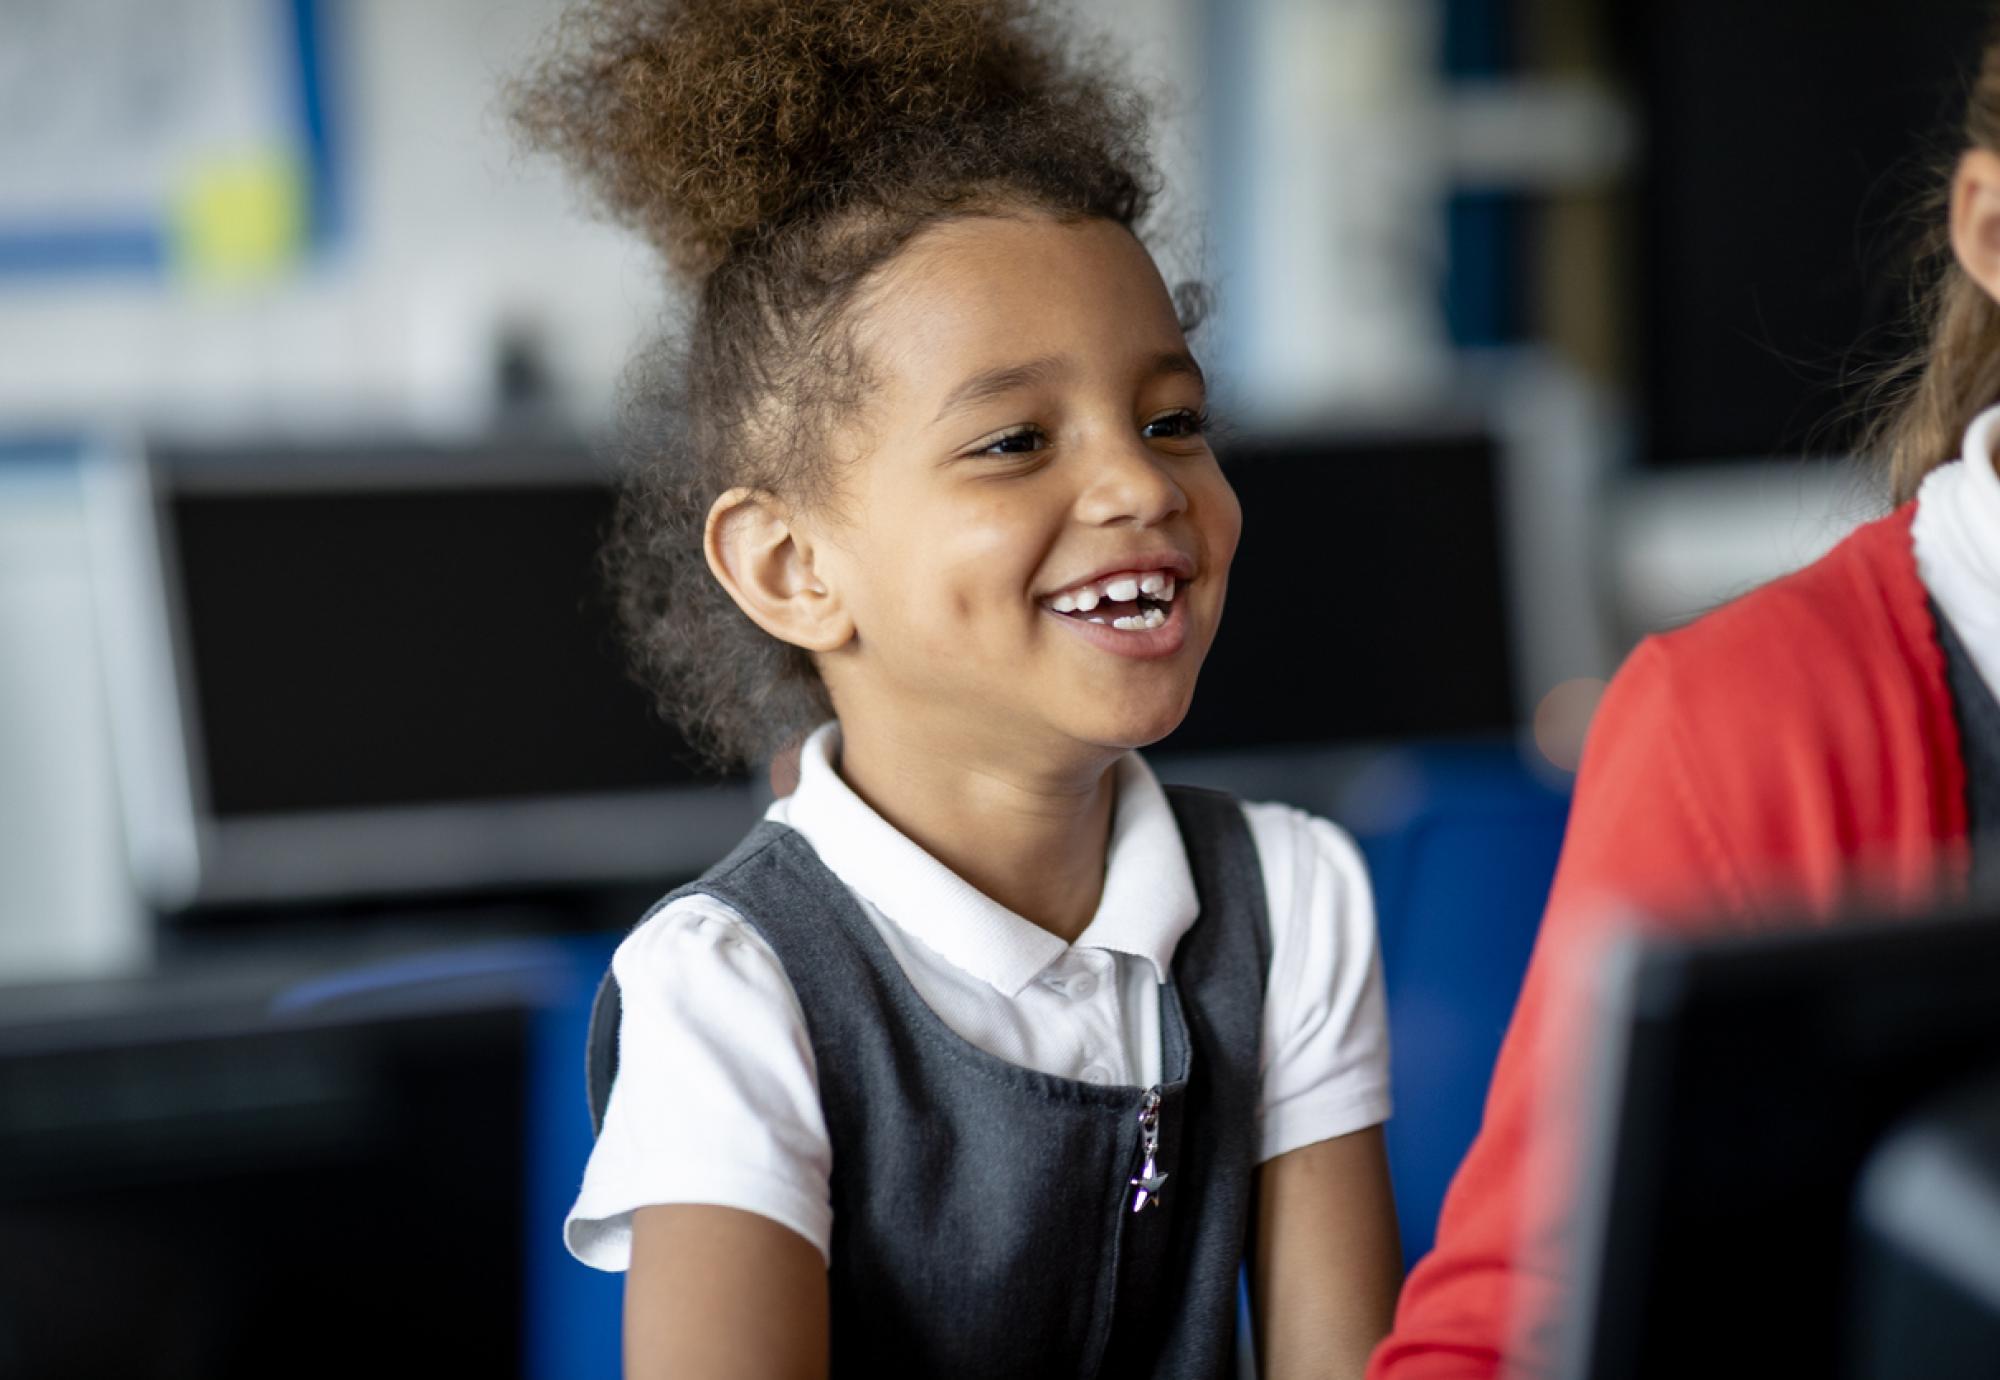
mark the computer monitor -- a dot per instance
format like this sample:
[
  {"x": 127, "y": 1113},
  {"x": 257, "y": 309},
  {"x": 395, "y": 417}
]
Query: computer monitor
[
  {"x": 1929, "y": 1266},
  {"x": 202, "y": 1176},
  {"x": 1370, "y": 599},
  {"x": 1789, "y": 148},
  {"x": 384, "y": 667},
  {"x": 378, "y": 668},
  {"x": 1747, "y": 1083}
]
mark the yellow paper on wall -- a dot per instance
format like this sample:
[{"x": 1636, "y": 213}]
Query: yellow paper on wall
[{"x": 240, "y": 219}]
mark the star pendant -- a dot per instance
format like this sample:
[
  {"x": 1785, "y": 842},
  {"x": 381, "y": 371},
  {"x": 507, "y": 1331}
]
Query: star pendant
[{"x": 1148, "y": 1195}]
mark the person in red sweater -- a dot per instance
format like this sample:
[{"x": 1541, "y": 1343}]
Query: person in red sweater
[{"x": 1801, "y": 751}]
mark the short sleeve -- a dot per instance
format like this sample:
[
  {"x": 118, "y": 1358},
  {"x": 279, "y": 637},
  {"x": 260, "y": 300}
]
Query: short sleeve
[
  {"x": 717, "y": 1097},
  {"x": 1325, "y": 1047}
]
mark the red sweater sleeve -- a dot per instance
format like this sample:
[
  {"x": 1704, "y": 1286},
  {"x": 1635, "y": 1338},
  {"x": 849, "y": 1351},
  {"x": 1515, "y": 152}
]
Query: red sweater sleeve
[{"x": 1639, "y": 840}]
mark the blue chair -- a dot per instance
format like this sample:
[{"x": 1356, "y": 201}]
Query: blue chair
[
  {"x": 577, "y": 1312},
  {"x": 1461, "y": 872},
  {"x": 570, "y": 1328}
]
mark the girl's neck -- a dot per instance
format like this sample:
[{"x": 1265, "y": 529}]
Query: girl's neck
[{"x": 1031, "y": 836}]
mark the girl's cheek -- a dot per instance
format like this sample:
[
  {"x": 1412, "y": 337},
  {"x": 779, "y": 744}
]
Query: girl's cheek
[
  {"x": 993, "y": 524},
  {"x": 1219, "y": 518}
]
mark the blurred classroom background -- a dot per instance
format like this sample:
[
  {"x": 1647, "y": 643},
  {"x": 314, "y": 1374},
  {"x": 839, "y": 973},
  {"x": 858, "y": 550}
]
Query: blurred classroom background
[{"x": 323, "y": 798}]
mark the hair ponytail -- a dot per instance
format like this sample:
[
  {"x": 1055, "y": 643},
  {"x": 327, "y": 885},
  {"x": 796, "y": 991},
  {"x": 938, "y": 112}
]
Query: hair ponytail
[
  {"x": 1936, "y": 394},
  {"x": 777, "y": 153}
]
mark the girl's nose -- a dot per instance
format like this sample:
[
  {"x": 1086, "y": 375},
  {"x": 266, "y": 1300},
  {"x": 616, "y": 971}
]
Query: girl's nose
[{"x": 1129, "y": 483}]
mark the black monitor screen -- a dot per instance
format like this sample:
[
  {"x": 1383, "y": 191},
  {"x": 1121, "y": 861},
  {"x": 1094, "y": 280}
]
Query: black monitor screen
[
  {"x": 377, "y": 645},
  {"x": 198, "y": 1196},
  {"x": 1787, "y": 146},
  {"x": 1749, "y": 1080},
  {"x": 1368, "y": 600}
]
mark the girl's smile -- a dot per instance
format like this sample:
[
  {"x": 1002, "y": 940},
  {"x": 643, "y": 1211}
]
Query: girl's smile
[{"x": 1131, "y": 610}]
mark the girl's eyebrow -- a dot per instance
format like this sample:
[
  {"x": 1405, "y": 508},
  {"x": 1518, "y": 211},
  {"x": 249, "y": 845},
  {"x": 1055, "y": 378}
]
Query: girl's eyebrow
[
  {"x": 1177, "y": 362},
  {"x": 992, "y": 383}
]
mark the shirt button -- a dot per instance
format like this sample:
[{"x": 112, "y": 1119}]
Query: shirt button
[
  {"x": 1082, "y": 987},
  {"x": 1096, "y": 1073}
]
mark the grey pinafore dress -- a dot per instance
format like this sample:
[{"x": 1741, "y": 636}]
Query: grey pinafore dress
[{"x": 992, "y": 1220}]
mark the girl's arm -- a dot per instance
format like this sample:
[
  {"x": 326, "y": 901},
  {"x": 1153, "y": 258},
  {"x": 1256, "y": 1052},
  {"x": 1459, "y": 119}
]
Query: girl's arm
[
  {"x": 708, "y": 1184},
  {"x": 1495, "y": 1285},
  {"x": 1328, "y": 1261},
  {"x": 723, "y": 1294}
]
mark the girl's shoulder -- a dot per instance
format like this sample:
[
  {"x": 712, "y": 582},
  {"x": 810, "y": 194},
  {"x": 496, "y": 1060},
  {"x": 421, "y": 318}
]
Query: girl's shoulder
[
  {"x": 1832, "y": 673},
  {"x": 1296, "y": 850},
  {"x": 1307, "y": 860},
  {"x": 1859, "y": 615},
  {"x": 696, "y": 949},
  {"x": 1315, "y": 878},
  {"x": 1325, "y": 1019},
  {"x": 1317, "y": 896},
  {"x": 1774, "y": 751},
  {"x": 710, "y": 1036}
]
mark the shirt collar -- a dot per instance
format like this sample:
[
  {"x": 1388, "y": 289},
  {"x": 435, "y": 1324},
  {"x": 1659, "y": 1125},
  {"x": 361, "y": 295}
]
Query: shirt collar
[
  {"x": 1974, "y": 520},
  {"x": 1956, "y": 540},
  {"x": 1147, "y": 904}
]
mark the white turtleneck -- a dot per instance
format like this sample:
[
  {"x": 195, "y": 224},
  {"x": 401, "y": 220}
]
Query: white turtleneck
[{"x": 1957, "y": 540}]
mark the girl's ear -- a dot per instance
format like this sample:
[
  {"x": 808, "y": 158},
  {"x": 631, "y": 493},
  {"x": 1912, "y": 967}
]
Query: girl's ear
[
  {"x": 766, "y": 564},
  {"x": 1975, "y": 218}
]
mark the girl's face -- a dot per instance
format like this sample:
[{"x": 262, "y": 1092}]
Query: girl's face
[{"x": 1032, "y": 538}]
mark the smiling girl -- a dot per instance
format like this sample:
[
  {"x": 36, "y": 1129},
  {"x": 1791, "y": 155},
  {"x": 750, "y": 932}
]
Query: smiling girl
[{"x": 984, "y": 1054}]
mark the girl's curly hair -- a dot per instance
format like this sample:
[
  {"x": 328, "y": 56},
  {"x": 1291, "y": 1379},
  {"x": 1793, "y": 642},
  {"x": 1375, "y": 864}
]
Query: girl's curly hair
[{"x": 777, "y": 152}]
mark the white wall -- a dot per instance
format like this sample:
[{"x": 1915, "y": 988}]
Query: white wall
[
  {"x": 446, "y": 234},
  {"x": 1336, "y": 245}
]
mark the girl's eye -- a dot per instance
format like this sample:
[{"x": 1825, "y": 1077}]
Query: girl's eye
[
  {"x": 1176, "y": 426},
  {"x": 1020, "y": 441}
]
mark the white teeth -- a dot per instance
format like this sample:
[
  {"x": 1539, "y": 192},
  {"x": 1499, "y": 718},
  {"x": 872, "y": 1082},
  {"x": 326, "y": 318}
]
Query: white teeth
[
  {"x": 1156, "y": 585},
  {"x": 1098, "y": 621},
  {"x": 1140, "y": 622}
]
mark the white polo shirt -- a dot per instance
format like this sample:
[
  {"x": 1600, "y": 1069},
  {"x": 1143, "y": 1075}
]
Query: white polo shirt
[
  {"x": 717, "y": 1101},
  {"x": 1956, "y": 537}
]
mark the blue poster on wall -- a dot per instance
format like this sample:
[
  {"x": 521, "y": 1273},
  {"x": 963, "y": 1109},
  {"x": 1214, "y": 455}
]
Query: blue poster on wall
[{"x": 184, "y": 138}]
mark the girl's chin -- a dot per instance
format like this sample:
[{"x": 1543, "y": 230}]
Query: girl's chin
[{"x": 1126, "y": 730}]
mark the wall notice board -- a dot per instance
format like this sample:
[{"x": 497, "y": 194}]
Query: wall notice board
[{"x": 169, "y": 137}]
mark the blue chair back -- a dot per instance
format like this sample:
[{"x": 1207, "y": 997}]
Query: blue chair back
[{"x": 1461, "y": 875}]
